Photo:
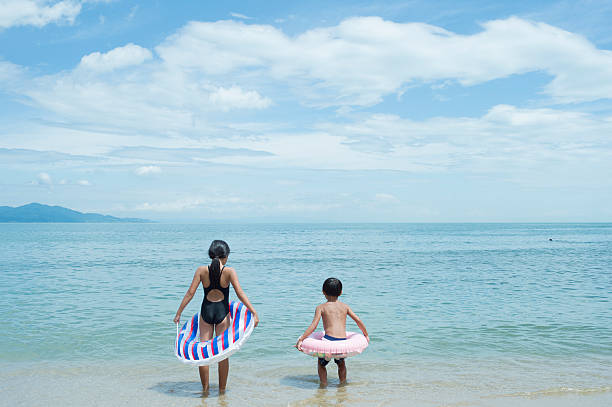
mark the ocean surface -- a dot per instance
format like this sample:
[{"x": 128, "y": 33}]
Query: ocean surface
[{"x": 458, "y": 314}]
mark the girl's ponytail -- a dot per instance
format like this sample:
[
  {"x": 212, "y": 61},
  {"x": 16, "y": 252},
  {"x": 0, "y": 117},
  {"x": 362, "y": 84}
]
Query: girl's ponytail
[
  {"x": 214, "y": 270},
  {"x": 218, "y": 249}
]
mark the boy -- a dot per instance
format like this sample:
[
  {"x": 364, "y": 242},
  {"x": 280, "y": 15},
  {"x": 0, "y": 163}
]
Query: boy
[{"x": 334, "y": 315}]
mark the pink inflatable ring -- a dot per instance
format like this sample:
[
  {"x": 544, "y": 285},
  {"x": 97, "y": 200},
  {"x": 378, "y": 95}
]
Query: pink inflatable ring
[{"x": 315, "y": 345}]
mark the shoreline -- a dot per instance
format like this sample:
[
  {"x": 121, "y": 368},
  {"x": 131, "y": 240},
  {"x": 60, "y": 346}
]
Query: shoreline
[{"x": 171, "y": 383}]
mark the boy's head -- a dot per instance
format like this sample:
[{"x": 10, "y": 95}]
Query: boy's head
[{"x": 332, "y": 287}]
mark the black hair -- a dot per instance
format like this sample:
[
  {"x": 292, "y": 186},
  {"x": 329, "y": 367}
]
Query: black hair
[
  {"x": 218, "y": 249},
  {"x": 332, "y": 287}
]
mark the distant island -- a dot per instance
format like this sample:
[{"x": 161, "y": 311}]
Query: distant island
[{"x": 35, "y": 212}]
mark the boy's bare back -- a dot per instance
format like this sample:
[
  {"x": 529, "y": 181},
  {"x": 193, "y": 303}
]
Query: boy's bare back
[{"x": 334, "y": 315}]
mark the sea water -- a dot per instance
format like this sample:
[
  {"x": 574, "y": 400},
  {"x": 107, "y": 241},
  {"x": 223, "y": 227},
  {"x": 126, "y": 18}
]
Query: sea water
[{"x": 458, "y": 314}]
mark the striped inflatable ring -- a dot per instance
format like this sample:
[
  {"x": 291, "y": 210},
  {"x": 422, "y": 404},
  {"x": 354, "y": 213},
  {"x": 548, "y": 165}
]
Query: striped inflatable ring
[{"x": 189, "y": 349}]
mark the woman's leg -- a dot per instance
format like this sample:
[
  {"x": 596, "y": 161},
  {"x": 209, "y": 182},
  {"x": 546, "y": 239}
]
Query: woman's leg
[
  {"x": 224, "y": 364},
  {"x": 206, "y": 333}
]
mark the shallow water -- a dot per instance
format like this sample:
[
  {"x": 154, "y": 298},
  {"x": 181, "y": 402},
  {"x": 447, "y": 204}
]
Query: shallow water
[{"x": 481, "y": 314}]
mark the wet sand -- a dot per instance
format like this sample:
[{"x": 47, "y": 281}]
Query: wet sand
[{"x": 173, "y": 384}]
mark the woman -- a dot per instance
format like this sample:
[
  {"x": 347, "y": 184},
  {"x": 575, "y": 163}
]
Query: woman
[{"x": 214, "y": 313}]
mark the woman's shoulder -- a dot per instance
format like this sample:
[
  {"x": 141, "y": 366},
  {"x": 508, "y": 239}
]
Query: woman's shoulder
[{"x": 202, "y": 269}]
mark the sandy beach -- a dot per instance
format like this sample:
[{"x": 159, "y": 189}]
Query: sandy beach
[{"x": 481, "y": 383}]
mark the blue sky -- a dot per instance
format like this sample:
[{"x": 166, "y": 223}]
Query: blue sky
[{"x": 390, "y": 111}]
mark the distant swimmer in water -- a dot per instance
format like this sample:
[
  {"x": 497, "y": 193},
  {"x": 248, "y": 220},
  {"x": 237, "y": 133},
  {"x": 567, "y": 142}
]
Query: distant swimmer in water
[{"x": 550, "y": 239}]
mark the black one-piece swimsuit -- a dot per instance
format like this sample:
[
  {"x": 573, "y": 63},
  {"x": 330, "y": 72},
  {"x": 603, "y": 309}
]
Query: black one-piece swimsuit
[{"x": 215, "y": 312}]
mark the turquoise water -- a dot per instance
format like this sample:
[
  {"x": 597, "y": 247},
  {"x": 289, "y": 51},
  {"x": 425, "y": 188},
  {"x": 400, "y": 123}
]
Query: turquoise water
[{"x": 489, "y": 308}]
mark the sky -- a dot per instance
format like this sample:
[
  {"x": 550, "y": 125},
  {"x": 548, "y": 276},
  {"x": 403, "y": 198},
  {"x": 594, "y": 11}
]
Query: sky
[{"x": 310, "y": 111}]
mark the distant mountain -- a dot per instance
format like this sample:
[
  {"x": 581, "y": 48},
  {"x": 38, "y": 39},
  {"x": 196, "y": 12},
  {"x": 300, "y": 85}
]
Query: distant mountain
[{"x": 36, "y": 212}]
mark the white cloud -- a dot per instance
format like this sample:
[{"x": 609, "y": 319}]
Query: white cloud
[
  {"x": 287, "y": 182},
  {"x": 9, "y": 71},
  {"x": 44, "y": 178},
  {"x": 386, "y": 198},
  {"x": 526, "y": 144},
  {"x": 241, "y": 16},
  {"x": 300, "y": 207},
  {"x": 202, "y": 71},
  {"x": 148, "y": 98},
  {"x": 74, "y": 143},
  {"x": 83, "y": 183},
  {"x": 210, "y": 203},
  {"x": 37, "y": 12},
  {"x": 207, "y": 68},
  {"x": 116, "y": 58},
  {"x": 173, "y": 206},
  {"x": 236, "y": 98},
  {"x": 132, "y": 14},
  {"x": 363, "y": 59},
  {"x": 518, "y": 142},
  {"x": 119, "y": 104},
  {"x": 148, "y": 169}
]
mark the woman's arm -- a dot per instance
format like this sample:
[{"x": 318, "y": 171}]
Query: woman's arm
[
  {"x": 358, "y": 322},
  {"x": 242, "y": 296},
  {"x": 311, "y": 328},
  {"x": 188, "y": 295}
]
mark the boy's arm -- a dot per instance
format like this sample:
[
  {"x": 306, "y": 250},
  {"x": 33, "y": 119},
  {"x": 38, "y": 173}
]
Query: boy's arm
[
  {"x": 358, "y": 322},
  {"x": 311, "y": 328}
]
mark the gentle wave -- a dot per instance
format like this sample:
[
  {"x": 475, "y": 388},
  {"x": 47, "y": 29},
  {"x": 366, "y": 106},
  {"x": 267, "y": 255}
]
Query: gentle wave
[{"x": 558, "y": 391}]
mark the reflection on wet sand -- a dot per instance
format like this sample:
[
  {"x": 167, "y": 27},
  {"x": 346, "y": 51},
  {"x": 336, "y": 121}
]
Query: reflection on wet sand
[
  {"x": 192, "y": 389},
  {"x": 179, "y": 389},
  {"x": 220, "y": 400},
  {"x": 301, "y": 381},
  {"x": 326, "y": 396}
]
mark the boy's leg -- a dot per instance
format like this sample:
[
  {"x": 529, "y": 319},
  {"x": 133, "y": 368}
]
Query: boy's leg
[
  {"x": 206, "y": 332},
  {"x": 322, "y": 370},
  {"x": 341, "y": 370},
  {"x": 224, "y": 364}
]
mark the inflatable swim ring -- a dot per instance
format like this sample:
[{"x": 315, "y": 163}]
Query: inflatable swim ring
[
  {"x": 315, "y": 345},
  {"x": 189, "y": 349}
]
